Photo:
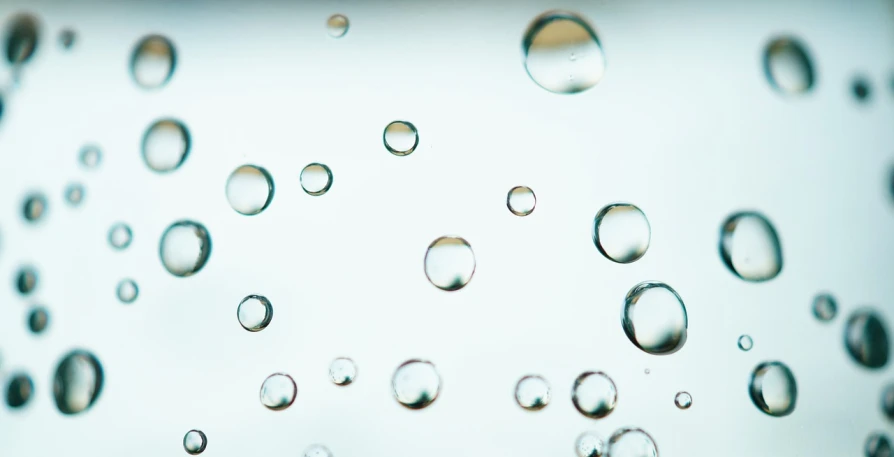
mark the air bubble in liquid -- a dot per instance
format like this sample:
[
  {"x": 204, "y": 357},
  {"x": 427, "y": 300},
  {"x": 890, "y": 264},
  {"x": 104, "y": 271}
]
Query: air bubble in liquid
[
  {"x": 521, "y": 200},
  {"x": 21, "y": 39},
  {"x": 589, "y": 444},
  {"x": 337, "y": 25},
  {"x": 249, "y": 189},
  {"x": 401, "y": 138},
  {"x": 78, "y": 382},
  {"x": 745, "y": 343},
  {"x": 74, "y": 194},
  {"x": 861, "y": 89},
  {"x": 594, "y": 394},
  {"x": 184, "y": 248},
  {"x": 787, "y": 66},
  {"x": 750, "y": 247},
  {"x": 38, "y": 319},
  {"x": 35, "y": 207},
  {"x": 152, "y": 61},
  {"x": 19, "y": 390},
  {"x": 878, "y": 445},
  {"x": 532, "y": 392},
  {"x": 888, "y": 401},
  {"x": 194, "y": 442},
  {"x": 416, "y": 384},
  {"x": 773, "y": 389},
  {"x": 255, "y": 313},
  {"x": 278, "y": 391},
  {"x": 632, "y": 442},
  {"x": 654, "y": 318},
  {"x": 67, "y": 38},
  {"x": 449, "y": 263},
  {"x": 26, "y": 280},
  {"x": 166, "y": 145},
  {"x": 120, "y": 236},
  {"x": 683, "y": 400},
  {"x": 90, "y": 156},
  {"x": 866, "y": 339},
  {"x": 316, "y": 179},
  {"x": 127, "y": 291},
  {"x": 621, "y": 232},
  {"x": 342, "y": 371},
  {"x": 825, "y": 307},
  {"x": 562, "y": 53},
  {"x": 317, "y": 450}
]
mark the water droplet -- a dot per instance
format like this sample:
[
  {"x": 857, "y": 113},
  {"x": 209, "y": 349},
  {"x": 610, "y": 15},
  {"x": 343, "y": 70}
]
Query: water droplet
[
  {"x": 416, "y": 383},
  {"x": 166, "y": 145},
  {"x": 317, "y": 450},
  {"x": 34, "y": 207},
  {"x": 26, "y": 280},
  {"x": 78, "y": 382},
  {"x": 750, "y": 247},
  {"x": 594, "y": 394},
  {"x": 631, "y": 442},
  {"x": 278, "y": 391},
  {"x": 194, "y": 442},
  {"x": 866, "y": 339},
  {"x": 249, "y": 189},
  {"x": 621, "y": 232},
  {"x": 563, "y": 53},
  {"x": 888, "y": 401},
  {"x": 67, "y": 38},
  {"x": 878, "y": 445},
  {"x": 90, "y": 156},
  {"x": 521, "y": 200},
  {"x": 401, "y": 138},
  {"x": 654, "y": 318},
  {"x": 38, "y": 319},
  {"x": 683, "y": 400},
  {"x": 861, "y": 89},
  {"x": 120, "y": 236},
  {"x": 589, "y": 444},
  {"x": 532, "y": 393},
  {"x": 787, "y": 66},
  {"x": 127, "y": 291},
  {"x": 825, "y": 307},
  {"x": 19, "y": 390},
  {"x": 21, "y": 39},
  {"x": 342, "y": 371},
  {"x": 74, "y": 194},
  {"x": 745, "y": 343},
  {"x": 316, "y": 179},
  {"x": 184, "y": 248},
  {"x": 153, "y": 61},
  {"x": 773, "y": 389},
  {"x": 337, "y": 25},
  {"x": 449, "y": 263},
  {"x": 647, "y": 371},
  {"x": 255, "y": 313}
]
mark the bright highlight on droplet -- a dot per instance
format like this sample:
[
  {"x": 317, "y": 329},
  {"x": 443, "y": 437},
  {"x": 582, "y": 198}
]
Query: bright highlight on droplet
[
  {"x": 120, "y": 236},
  {"x": 416, "y": 384},
  {"x": 78, "y": 382},
  {"x": 750, "y": 247},
  {"x": 866, "y": 339},
  {"x": 562, "y": 53},
  {"x": 654, "y": 318},
  {"x": 532, "y": 392},
  {"x": 342, "y": 371},
  {"x": 449, "y": 263},
  {"x": 255, "y": 313},
  {"x": 621, "y": 232},
  {"x": 773, "y": 389},
  {"x": 787, "y": 66},
  {"x": 401, "y": 138},
  {"x": 337, "y": 25},
  {"x": 278, "y": 392},
  {"x": 184, "y": 248},
  {"x": 194, "y": 442},
  {"x": 594, "y": 394},
  {"x": 166, "y": 145},
  {"x": 153, "y": 61},
  {"x": 521, "y": 200},
  {"x": 316, "y": 179},
  {"x": 249, "y": 189}
]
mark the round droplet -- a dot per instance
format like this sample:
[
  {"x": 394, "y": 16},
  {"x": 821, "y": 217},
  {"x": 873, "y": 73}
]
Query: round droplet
[
  {"x": 316, "y": 179},
  {"x": 153, "y": 61},
  {"x": 654, "y": 318},
  {"x": 249, "y": 189},
  {"x": 317, "y": 450},
  {"x": 878, "y": 445},
  {"x": 750, "y": 247},
  {"x": 745, "y": 343},
  {"x": 521, "y": 200},
  {"x": 78, "y": 382},
  {"x": 166, "y": 145},
  {"x": 401, "y": 138},
  {"x": 19, "y": 390},
  {"x": 35, "y": 207},
  {"x": 184, "y": 248},
  {"x": 787, "y": 66},
  {"x": 120, "y": 236},
  {"x": 278, "y": 391},
  {"x": 449, "y": 263},
  {"x": 888, "y": 401},
  {"x": 416, "y": 384},
  {"x": 38, "y": 319},
  {"x": 773, "y": 389},
  {"x": 74, "y": 194},
  {"x": 127, "y": 291},
  {"x": 337, "y": 25},
  {"x": 26, "y": 280},
  {"x": 67, "y": 39},
  {"x": 21, "y": 39},
  {"x": 255, "y": 313},
  {"x": 589, "y": 444},
  {"x": 194, "y": 442},
  {"x": 342, "y": 371},
  {"x": 90, "y": 156},
  {"x": 594, "y": 394},
  {"x": 631, "y": 442},
  {"x": 562, "y": 53},
  {"x": 683, "y": 400},
  {"x": 621, "y": 232},
  {"x": 532, "y": 392},
  {"x": 866, "y": 339},
  {"x": 861, "y": 89},
  {"x": 825, "y": 307}
]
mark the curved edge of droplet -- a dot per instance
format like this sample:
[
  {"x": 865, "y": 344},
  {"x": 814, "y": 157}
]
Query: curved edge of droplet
[
  {"x": 423, "y": 404},
  {"x": 797, "y": 44},
  {"x": 597, "y": 222},
  {"x": 135, "y": 54},
  {"x": 728, "y": 227},
  {"x": 633, "y": 296},
  {"x": 541, "y": 21}
]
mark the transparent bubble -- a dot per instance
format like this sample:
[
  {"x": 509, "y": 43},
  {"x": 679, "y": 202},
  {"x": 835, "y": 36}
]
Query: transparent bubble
[
  {"x": 621, "y": 232},
  {"x": 166, "y": 145},
  {"x": 21, "y": 39},
  {"x": 249, "y": 189},
  {"x": 74, "y": 194},
  {"x": 255, "y": 313},
  {"x": 337, "y": 25},
  {"x": 19, "y": 390},
  {"x": 278, "y": 391},
  {"x": 153, "y": 61},
  {"x": 787, "y": 66},
  {"x": 631, "y": 442},
  {"x": 683, "y": 400},
  {"x": 866, "y": 339},
  {"x": 38, "y": 319},
  {"x": 35, "y": 207},
  {"x": 127, "y": 291},
  {"x": 532, "y": 392},
  {"x": 589, "y": 444},
  {"x": 825, "y": 307},
  {"x": 562, "y": 53},
  {"x": 878, "y": 445},
  {"x": 184, "y": 248},
  {"x": 888, "y": 401},
  {"x": 120, "y": 236},
  {"x": 317, "y": 450},
  {"x": 316, "y": 179},
  {"x": 594, "y": 394},
  {"x": 521, "y": 200},
  {"x": 861, "y": 89},
  {"x": 26, "y": 280},
  {"x": 654, "y": 318},
  {"x": 342, "y": 371},
  {"x": 67, "y": 38},
  {"x": 773, "y": 389},
  {"x": 90, "y": 156},
  {"x": 750, "y": 247},
  {"x": 401, "y": 138},
  {"x": 416, "y": 383},
  {"x": 194, "y": 442},
  {"x": 745, "y": 343},
  {"x": 449, "y": 263},
  {"x": 78, "y": 382}
]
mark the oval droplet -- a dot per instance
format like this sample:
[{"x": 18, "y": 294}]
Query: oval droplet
[
  {"x": 317, "y": 450},
  {"x": 861, "y": 88},
  {"x": 278, "y": 391},
  {"x": 888, "y": 401},
  {"x": 416, "y": 383},
  {"x": 532, "y": 392},
  {"x": 745, "y": 343},
  {"x": 825, "y": 307},
  {"x": 750, "y": 247},
  {"x": 683, "y": 400},
  {"x": 74, "y": 194},
  {"x": 194, "y": 442},
  {"x": 449, "y": 263},
  {"x": 337, "y": 25},
  {"x": 594, "y": 394},
  {"x": 152, "y": 61},
  {"x": 255, "y": 313},
  {"x": 589, "y": 444},
  {"x": 621, "y": 232},
  {"x": 654, "y": 318},
  {"x": 401, "y": 138},
  {"x": 342, "y": 371},
  {"x": 773, "y": 389},
  {"x": 562, "y": 53},
  {"x": 127, "y": 291},
  {"x": 19, "y": 390},
  {"x": 26, "y": 280},
  {"x": 521, "y": 200},
  {"x": 90, "y": 156},
  {"x": 38, "y": 319},
  {"x": 249, "y": 189},
  {"x": 67, "y": 39},
  {"x": 166, "y": 145},
  {"x": 316, "y": 179},
  {"x": 878, "y": 445},
  {"x": 632, "y": 442},
  {"x": 120, "y": 236},
  {"x": 21, "y": 39},
  {"x": 35, "y": 207},
  {"x": 78, "y": 382},
  {"x": 787, "y": 66},
  {"x": 866, "y": 339},
  {"x": 184, "y": 248}
]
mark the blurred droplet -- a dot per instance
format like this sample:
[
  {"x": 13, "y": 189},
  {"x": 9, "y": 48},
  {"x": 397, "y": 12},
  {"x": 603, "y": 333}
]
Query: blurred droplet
[
  {"x": 750, "y": 247},
  {"x": 255, "y": 313},
  {"x": 78, "y": 382},
  {"x": 35, "y": 207},
  {"x": 861, "y": 89},
  {"x": 67, "y": 38},
  {"x": 342, "y": 371},
  {"x": 184, "y": 248},
  {"x": 532, "y": 393},
  {"x": 773, "y": 388},
  {"x": 787, "y": 66},
  {"x": 589, "y": 444},
  {"x": 745, "y": 343},
  {"x": 316, "y": 179},
  {"x": 120, "y": 236},
  {"x": 594, "y": 394},
  {"x": 166, "y": 145},
  {"x": 621, "y": 232},
  {"x": 416, "y": 383},
  {"x": 825, "y": 307},
  {"x": 654, "y": 318},
  {"x": 878, "y": 445},
  {"x": 337, "y": 25},
  {"x": 866, "y": 339},
  {"x": 90, "y": 156},
  {"x": 74, "y": 194},
  {"x": 401, "y": 138},
  {"x": 38, "y": 319},
  {"x": 153, "y": 61},
  {"x": 21, "y": 39},
  {"x": 194, "y": 442},
  {"x": 683, "y": 400},
  {"x": 26, "y": 280},
  {"x": 888, "y": 401},
  {"x": 249, "y": 189},
  {"x": 317, "y": 450},
  {"x": 278, "y": 391},
  {"x": 19, "y": 390},
  {"x": 632, "y": 442},
  {"x": 562, "y": 53},
  {"x": 449, "y": 263},
  {"x": 127, "y": 291},
  {"x": 521, "y": 200}
]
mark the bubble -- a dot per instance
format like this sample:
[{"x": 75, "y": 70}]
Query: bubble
[
  {"x": 337, "y": 25},
  {"x": 153, "y": 61},
  {"x": 401, "y": 138},
  {"x": 316, "y": 179},
  {"x": 683, "y": 400},
  {"x": 127, "y": 291},
  {"x": 621, "y": 232},
  {"x": 26, "y": 280},
  {"x": 184, "y": 248},
  {"x": 532, "y": 393},
  {"x": 120, "y": 236},
  {"x": 589, "y": 444},
  {"x": 342, "y": 371},
  {"x": 74, "y": 194},
  {"x": 249, "y": 189},
  {"x": 631, "y": 442},
  {"x": 866, "y": 339},
  {"x": 90, "y": 156},
  {"x": 745, "y": 343},
  {"x": 825, "y": 307},
  {"x": 888, "y": 401},
  {"x": 67, "y": 38},
  {"x": 773, "y": 389},
  {"x": 19, "y": 390},
  {"x": 194, "y": 442},
  {"x": 255, "y": 313},
  {"x": 878, "y": 445},
  {"x": 317, "y": 450},
  {"x": 21, "y": 39},
  {"x": 449, "y": 263},
  {"x": 861, "y": 89},
  {"x": 278, "y": 391},
  {"x": 35, "y": 207},
  {"x": 38, "y": 319},
  {"x": 521, "y": 200},
  {"x": 416, "y": 383},
  {"x": 562, "y": 53},
  {"x": 750, "y": 247},
  {"x": 594, "y": 394},
  {"x": 77, "y": 382},
  {"x": 787, "y": 66},
  {"x": 166, "y": 145},
  {"x": 654, "y": 318}
]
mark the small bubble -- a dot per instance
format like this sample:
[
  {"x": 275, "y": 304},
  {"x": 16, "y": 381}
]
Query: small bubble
[
  {"x": 342, "y": 371},
  {"x": 594, "y": 394},
  {"x": 153, "y": 61},
  {"x": 787, "y": 66},
  {"x": 861, "y": 89},
  {"x": 866, "y": 339},
  {"x": 74, "y": 194},
  {"x": 745, "y": 343},
  {"x": 562, "y": 53},
  {"x": 21, "y": 39},
  {"x": 38, "y": 319},
  {"x": 166, "y": 145},
  {"x": 19, "y": 390},
  {"x": 278, "y": 391},
  {"x": 878, "y": 445},
  {"x": 589, "y": 444},
  {"x": 521, "y": 200},
  {"x": 337, "y": 25},
  {"x": 631, "y": 442},
  {"x": 621, "y": 232},
  {"x": 78, "y": 382},
  {"x": 654, "y": 318},
  {"x": 127, "y": 291},
  {"x": 90, "y": 156},
  {"x": 255, "y": 313},
  {"x": 683, "y": 400},
  {"x": 120, "y": 236},
  {"x": 416, "y": 383},
  {"x": 67, "y": 39},
  {"x": 317, "y": 450},
  {"x": 647, "y": 371},
  {"x": 825, "y": 307},
  {"x": 26, "y": 280},
  {"x": 773, "y": 389},
  {"x": 750, "y": 247},
  {"x": 194, "y": 442},
  {"x": 401, "y": 138},
  {"x": 249, "y": 189},
  {"x": 449, "y": 263},
  {"x": 532, "y": 393},
  {"x": 316, "y": 179},
  {"x": 184, "y": 248},
  {"x": 888, "y": 401},
  {"x": 35, "y": 207}
]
